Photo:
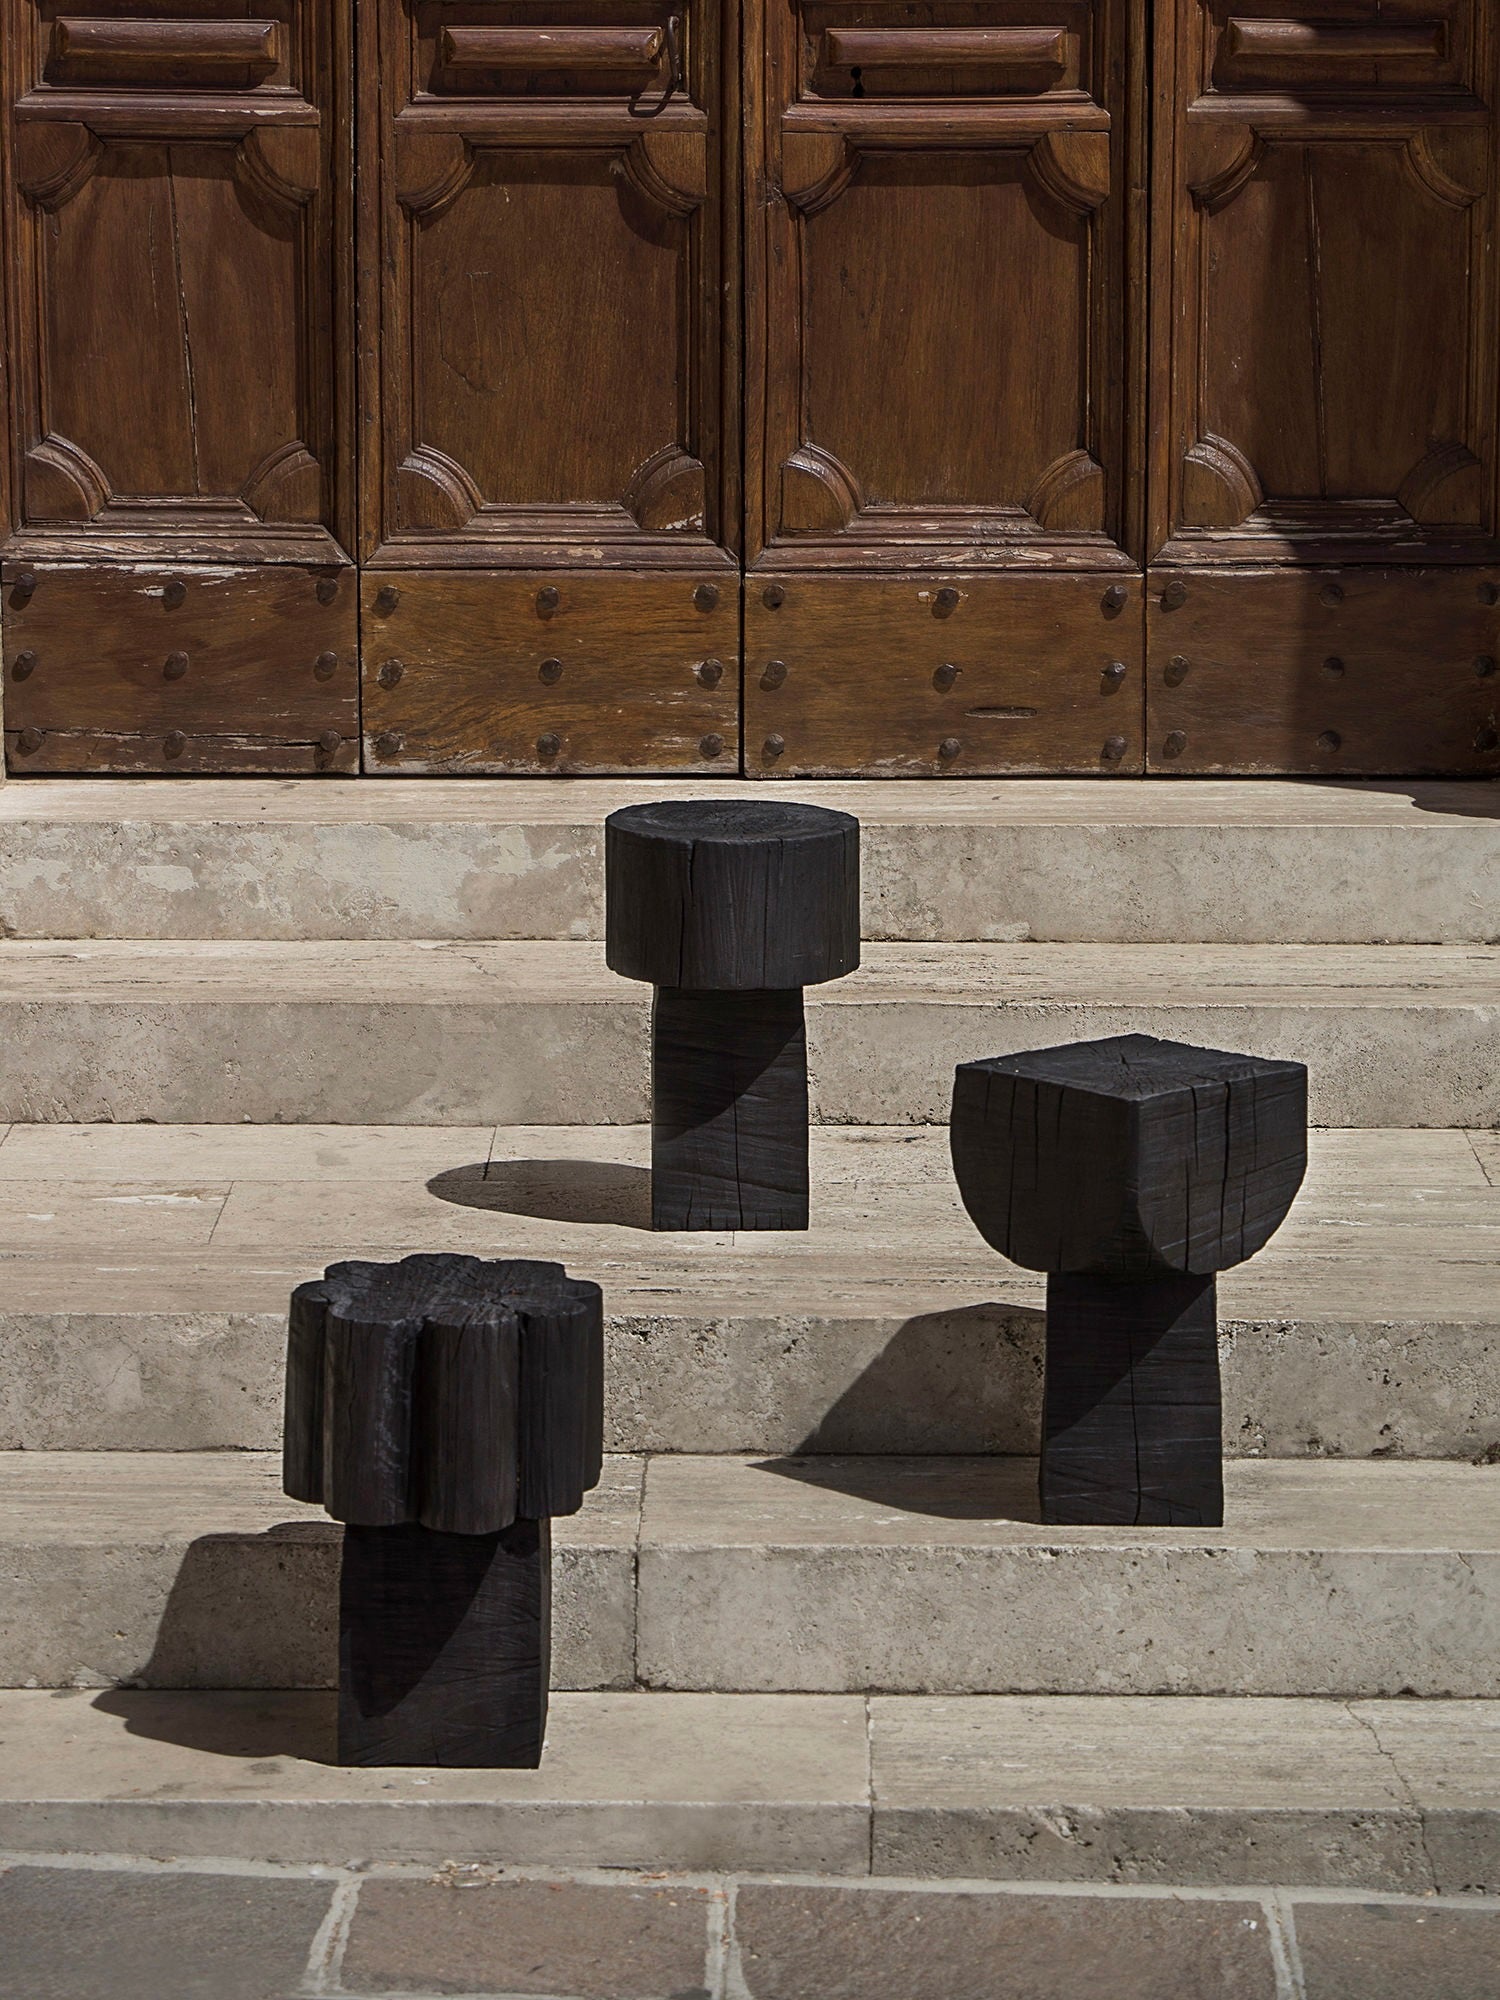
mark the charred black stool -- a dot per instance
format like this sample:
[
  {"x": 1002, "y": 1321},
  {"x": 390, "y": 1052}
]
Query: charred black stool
[
  {"x": 1131, "y": 1171},
  {"x": 729, "y": 909},
  {"x": 444, "y": 1408}
]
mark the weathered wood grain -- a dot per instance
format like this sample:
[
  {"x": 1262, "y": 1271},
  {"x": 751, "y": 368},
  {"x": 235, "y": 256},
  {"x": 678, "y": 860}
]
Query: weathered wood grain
[
  {"x": 729, "y": 908},
  {"x": 453, "y": 1391},
  {"x": 1131, "y": 1170},
  {"x": 444, "y": 1646},
  {"x": 1131, "y": 1405},
  {"x": 731, "y": 894},
  {"x": 444, "y": 1408},
  {"x": 728, "y": 1110}
]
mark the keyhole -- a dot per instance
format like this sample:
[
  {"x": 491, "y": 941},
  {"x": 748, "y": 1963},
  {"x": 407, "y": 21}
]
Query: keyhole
[{"x": 854, "y": 78}]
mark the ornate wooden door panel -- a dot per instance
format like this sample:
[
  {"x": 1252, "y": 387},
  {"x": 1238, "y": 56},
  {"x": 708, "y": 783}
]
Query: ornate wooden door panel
[
  {"x": 1326, "y": 567},
  {"x": 943, "y": 543},
  {"x": 551, "y": 529},
  {"x": 178, "y": 492}
]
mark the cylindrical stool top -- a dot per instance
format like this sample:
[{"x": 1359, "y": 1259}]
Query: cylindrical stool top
[{"x": 728, "y": 895}]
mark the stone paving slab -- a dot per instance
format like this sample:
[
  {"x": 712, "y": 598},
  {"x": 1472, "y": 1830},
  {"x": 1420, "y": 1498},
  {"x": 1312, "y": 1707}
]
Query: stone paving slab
[
  {"x": 76, "y": 1929},
  {"x": 80, "y": 1934},
  {"x": 530, "y": 1031},
  {"x": 1242, "y": 862},
  {"x": 1184, "y": 1794},
  {"x": 1370, "y": 1325},
  {"x": 824, "y": 1575}
]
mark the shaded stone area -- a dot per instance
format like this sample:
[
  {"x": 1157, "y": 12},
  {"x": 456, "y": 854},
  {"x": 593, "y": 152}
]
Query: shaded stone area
[{"x": 85, "y": 1934}]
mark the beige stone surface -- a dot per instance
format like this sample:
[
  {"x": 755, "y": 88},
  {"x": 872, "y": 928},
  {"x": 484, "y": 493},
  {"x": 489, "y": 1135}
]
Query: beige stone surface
[
  {"x": 633, "y": 1780},
  {"x": 1369, "y": 1325},
  {"x": 193, "y": 1569},
  {"x": 820, "y": 1575},
  {"x": 932, "y": 1576},
  {"x": 1084, "y": 1791},
  {"x": 1141, "y": 1790},
  {"x": 518, "y": 1032},
  {"x": 1065, "y": 860}
]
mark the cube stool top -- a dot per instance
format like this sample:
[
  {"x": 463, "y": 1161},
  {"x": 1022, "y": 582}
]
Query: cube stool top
[
  {"x": 1131, "y": 1171},
  {"x": 1130, "y": 1156},
  {"x": 444, "y": 1408},
  {"x": 729, "y": 908}
]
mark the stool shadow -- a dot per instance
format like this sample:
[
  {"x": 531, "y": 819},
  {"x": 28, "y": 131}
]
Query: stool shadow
[
  {"x": 597, "y": 1191},
  {"x": 962, "y": 1380},
  {"x": 955, "y": 1489},
  {"x": 261, "y": 1608},
  {"x": 258, "y": 1727}
]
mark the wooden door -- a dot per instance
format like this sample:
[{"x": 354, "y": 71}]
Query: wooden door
[
  {"x": 946, "y": 387},
  {"x": 176, "y": 485},
  {"x": 943, "y": 387},
  {"x": 1325, "y": 509},
  {"x": 551, "y": 379}
]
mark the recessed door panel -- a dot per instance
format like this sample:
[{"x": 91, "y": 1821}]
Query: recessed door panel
[
  {"x": 180, "y": 385},
  {"x": 1326, "y": 476}
]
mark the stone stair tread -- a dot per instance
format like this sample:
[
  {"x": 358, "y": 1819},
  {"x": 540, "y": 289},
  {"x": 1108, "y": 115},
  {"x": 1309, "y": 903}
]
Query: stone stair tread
[
  {"x": 814, "y": 1574},
  {"x": 1380, "y": 1795},
  {"x": 586, "y": 801},
  {"x": 146, "y": 1271},
  {"x": 1076, "y": 859},
  {"x": 1396, "y": 1224},
  {"x": 538, "y": 1030},
  {"x": 520, "y": 970},
  {"x": 668, "y": 1501}
]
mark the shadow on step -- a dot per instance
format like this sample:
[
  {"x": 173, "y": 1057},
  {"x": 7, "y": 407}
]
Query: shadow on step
[
  {"x": 252, "y": 1726},
  {"x": 964, "y": 1380},
  {"x": 552, "y": 1190},
  {"x": 245, "y": 1612},
  {"x": 951, "y": 1489}
]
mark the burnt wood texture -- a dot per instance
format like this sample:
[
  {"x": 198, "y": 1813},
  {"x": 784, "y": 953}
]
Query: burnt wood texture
[
  {"x": 1131, "y": 1171},
  {"x": 444, "y": 1408},
  {"x": 729, "y": 909},
  {"x": 1088, "y": 386}
]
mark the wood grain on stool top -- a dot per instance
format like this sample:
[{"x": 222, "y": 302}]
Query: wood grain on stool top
[
  {"x": 730, "y": 895},
  {"x": 1127, "y": 1157},
  {"x": 453, "y": 1391}
]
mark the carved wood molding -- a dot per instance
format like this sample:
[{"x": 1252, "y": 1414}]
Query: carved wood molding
[
  {"x": 816, "y": 167},
  {"x": 62, "y": 483},
  {"x": 668, "y": 493},
  {"x": 435, "y": 491},
  {"x": 287, "y": 485},
  {"x": 1445, "y": 489},
  {"x": 432, "y": 170},
  {"x": 1220, "y": 487},
  {"x": 282, "y": 162},
  {"x": 669, "y": 168},
  {"x": 1221, "y": 160},
  {"x": 54, "y": 160},
  {"x": 819, "y": 494},
  {"x": 1451, "y": 163},
  {"x": 1069, "y": 494},
  {"x": 1073, "y": 167}
]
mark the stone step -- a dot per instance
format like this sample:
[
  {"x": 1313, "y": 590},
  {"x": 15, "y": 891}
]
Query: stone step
[
  {"x": 358, "y": 1033},
  {"x": 146, "y": 1271},
  {"x": 1393, "y": 1796},
  {"x": 810, "y": 1575},
  {"x": 1066, "y": 861}
]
